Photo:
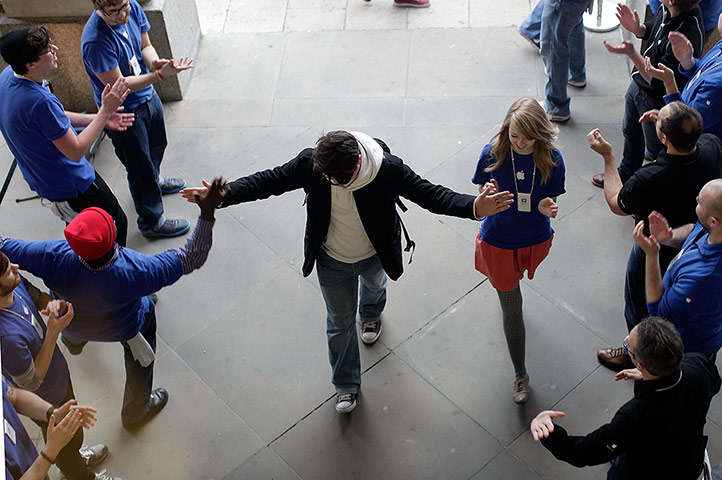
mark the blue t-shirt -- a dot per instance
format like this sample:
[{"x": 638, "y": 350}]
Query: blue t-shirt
[
  {"x": 31, "y": 118},
  {"x": 106, "y": 46},
  {"x": 20, "y": 452},
  {"x": 710, "y": 11},
  {"x": 20, "y": 344},
  {"x": 512, "y": 229},
  {"x": 110, "y": 304}
]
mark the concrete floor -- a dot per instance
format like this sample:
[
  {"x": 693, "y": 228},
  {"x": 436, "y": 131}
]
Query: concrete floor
[{"x": 241, "y": 342}]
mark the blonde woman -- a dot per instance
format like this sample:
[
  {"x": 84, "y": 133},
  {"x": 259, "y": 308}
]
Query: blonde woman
[{"x": 522, "y": 159}]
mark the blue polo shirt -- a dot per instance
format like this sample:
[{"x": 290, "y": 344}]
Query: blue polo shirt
[
  {"x": 31, "y": 119},
  {"x": 20, "y": 452},
  {"x": 692, "y": 299},
  {"x": 20, "y": 344},
  {"x": 106, "y": 46},
  {"x": 512, "y": 229}
]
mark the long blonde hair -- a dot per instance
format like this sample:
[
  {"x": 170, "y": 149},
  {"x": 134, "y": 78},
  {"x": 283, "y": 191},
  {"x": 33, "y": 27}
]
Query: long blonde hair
[{"x": 532, "y": 121}]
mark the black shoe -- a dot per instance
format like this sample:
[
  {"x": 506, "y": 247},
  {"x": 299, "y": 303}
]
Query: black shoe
[{"x": 156, "y": 402}]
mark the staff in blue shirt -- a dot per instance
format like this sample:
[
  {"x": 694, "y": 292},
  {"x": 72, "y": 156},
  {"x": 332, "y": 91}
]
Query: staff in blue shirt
[{"x": 684, "y": 295}]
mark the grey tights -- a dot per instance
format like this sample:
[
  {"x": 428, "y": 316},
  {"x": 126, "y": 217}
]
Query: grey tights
[{"x": 514, "y": 330}]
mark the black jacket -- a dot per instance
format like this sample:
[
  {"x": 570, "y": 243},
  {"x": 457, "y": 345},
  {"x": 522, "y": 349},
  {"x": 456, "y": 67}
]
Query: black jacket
[
  {"x": 376, "y": 203},
  {"x": 657, "y": 434}
]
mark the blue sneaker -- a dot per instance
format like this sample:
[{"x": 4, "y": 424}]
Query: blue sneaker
[{"x": 171, "y": 185}]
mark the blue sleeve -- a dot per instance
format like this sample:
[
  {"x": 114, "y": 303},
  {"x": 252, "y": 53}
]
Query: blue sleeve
[
  {"x": 654, "y": 5},
  {"x": 555, "y": 183},
  {"x": 50, "y": 117},
  {"x": 16, "y": 357},
  {"x": 486, "y": 159},
  {"x": 101, "y": 54},
  {"x": 34, "y": 257},
  {"x": 140, "y": 17},
  {"x": 675, "y": 97},
  {"x": 691, "y": 71},
  {"x": 150, "y": 273}
]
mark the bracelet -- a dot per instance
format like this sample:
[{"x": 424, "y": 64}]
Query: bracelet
[
  {"x": 160, "y": 76},
  {"x": 49, "y": 412},
  {"x": 45, "y": 456}
]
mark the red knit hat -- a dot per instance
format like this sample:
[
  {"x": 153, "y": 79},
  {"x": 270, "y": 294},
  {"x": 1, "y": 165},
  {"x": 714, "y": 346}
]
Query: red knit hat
[{"x": 91, "y": 234}]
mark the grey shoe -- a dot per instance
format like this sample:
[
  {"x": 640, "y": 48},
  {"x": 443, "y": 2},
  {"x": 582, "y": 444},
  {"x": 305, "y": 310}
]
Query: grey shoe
[
  {"x": 558, "y": 118},
  {"x": 577, "y": 84},
  {"x": 171, "y": 185},
  {"x": 345, "y": 403},
  {"x": 93, "y": 455},
  {"x": 104, "y": 476},
  {"x": 169, "y": 228}
]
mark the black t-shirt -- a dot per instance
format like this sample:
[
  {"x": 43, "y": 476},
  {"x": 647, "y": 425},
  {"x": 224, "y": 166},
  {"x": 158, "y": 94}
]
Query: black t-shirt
[{"x": 670, "y": 184}]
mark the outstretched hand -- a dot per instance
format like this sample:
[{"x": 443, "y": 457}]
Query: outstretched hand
[
  {"x": 682, "y": 49},
  {"x": 57, "y": 320},
  {"x": 628, "y": 18},
  {"x": 663, "y": 72},
  {"x": 543, "y": 425},
  {"x": 87, "y": 413},
  {"x": 647, "y": 243},
  {"x": 209, "y": 197},
  {"x": 169, "y": 67},
  {"x": 649, "y": 116},
  {"x": 548, "y": 207},
  {"x": 629, "y": 374},
  {"x": 59, "y": 434},
  {"x": 491, "y": 201},
  {"x": 120, "y": 121},
  {"x": 114, "y": 96},
  {"x": 624, "y": 48},
  {"x": 659, "y": 228}
]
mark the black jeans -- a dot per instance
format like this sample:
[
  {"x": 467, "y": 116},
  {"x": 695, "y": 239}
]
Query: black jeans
[
  {"x": 69, "y": 460},
  {"x": 138, "y": 379},
  {"x": 100, "y": 195}
]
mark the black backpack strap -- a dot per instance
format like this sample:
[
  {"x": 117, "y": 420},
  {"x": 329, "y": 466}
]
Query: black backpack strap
[{"x": 410, "y": 244}]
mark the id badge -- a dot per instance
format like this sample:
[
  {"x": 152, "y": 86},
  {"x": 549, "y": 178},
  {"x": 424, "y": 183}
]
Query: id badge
[
  {"x": 134, "y": 65},
  {"x": 36, "y": 325},
  {"x": 10, "y": 432},
  {"x": 524, "y": 202}
]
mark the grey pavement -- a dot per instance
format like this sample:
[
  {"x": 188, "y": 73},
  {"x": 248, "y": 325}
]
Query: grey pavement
[{"x": 242, "y": 341}]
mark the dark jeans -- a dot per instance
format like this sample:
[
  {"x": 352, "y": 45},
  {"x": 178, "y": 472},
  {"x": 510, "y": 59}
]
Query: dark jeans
[
  {"x": 140, "y": 149},
  {"x": 638, "y": 137},
  {"x": 69, "y": 460},
  {"x": 100, "y": 195},
  {"x": 138, "y": 379},
  {"x": 635, "y": 293}
]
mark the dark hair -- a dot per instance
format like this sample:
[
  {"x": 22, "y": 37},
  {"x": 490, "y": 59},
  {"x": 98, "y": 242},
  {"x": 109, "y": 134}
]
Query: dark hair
[
  {"x": 683, "y": 126},
  {"x": 101, "y": 4},
  {"x": 336, "y": 155},
  {"x": 20, "y": 47},
  {"x": 659, "y": 346},
  {"x": 686, "y": 5}
]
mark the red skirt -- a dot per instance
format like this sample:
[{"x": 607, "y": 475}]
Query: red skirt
[{"x": 506, "y": 267}]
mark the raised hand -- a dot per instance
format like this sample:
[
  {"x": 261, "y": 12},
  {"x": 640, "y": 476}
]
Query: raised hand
[
  {"x": 648, "y": 244},
  {"x": 649, "y": 116},
  {"x": 172, "y": 68},
  {"x": 598, "y": 143},
  {"x": 629, "y": 374},
  {"x": 624, "y": 48},
  {"x": 543, "y": 425},
  {"x": 114, "y": 96},
  {"x": 548, "y": 207},
  {"x": 659, "y": 228},
  {"x": 682, "y": 49},
  {"x": 490, "y": 201},
  {"x": 120, "y": 121},
  {"x": 57, "y": 320},
  {"x": 628, "y": 19}
]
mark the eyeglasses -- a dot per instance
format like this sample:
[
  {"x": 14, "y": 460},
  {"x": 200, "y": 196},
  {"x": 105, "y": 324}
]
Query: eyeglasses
[
  {"x": 343, "y": 181},
  {"x": 51, "y": 48},
  {"x": 115, "y": 11},
  {"x": 626, "y": 349}
]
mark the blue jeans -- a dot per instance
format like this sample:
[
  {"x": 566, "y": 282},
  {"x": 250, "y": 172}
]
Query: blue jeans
[
  {"x": 140, "y": 149},
  {"x": 638, "y": 136},
  {"x": 339, "y": 284},
  {"x": 531, "y": 27},
  {"x": 562, "y": 50}
]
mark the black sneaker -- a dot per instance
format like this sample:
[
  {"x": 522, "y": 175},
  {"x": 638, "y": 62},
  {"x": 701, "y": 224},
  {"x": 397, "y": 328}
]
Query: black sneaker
[
  {"x": 370, "y": 332},
  {"x": 170, "y": 228},
  {"x": 171, "y": 185},
  {"x": 345, "y": 403}
]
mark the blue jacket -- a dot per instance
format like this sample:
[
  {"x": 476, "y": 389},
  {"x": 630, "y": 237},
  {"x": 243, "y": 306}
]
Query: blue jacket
[{"x": 703, "y": 91}]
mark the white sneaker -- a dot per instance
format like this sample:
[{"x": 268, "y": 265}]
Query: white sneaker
[
  {"x": 370, "y": 332},
  {"x": 103, "y": 476},
  {"x": 345, "y": 403},
  {"x": 93, "y": 455}
]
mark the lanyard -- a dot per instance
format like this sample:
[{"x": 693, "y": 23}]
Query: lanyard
[
  {"x": 27, "y": 310},
  {"x": 513, "y": 166}
]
